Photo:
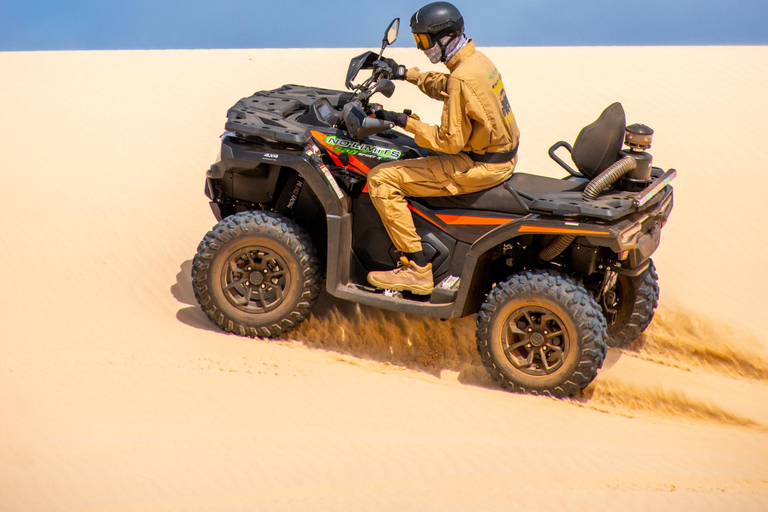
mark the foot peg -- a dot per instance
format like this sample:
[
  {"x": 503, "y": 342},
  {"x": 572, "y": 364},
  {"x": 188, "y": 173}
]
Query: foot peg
[{"x": 447, "y": 291}]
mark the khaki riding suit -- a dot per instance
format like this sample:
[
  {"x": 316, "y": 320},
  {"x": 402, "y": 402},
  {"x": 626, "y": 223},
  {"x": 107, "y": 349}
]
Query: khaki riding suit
[{"x": 476, "y": 119}]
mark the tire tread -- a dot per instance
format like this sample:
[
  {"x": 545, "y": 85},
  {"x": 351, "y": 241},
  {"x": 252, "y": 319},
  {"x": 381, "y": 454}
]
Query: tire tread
[
  {"x": 270, "y": 224},
  {"x": 642, "y": 312},
  {"x": 586, "y": 314}
]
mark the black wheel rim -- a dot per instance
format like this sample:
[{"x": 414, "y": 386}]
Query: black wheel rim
[
  {"x": 255, "y": 280},
  {"x": 535, "y": 341}
]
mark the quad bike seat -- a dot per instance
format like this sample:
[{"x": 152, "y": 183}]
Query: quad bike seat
[
  {"x": 513, "y": 196},
  {"x": 595, "y": 149},
  {"x": 597, "y": 146}
]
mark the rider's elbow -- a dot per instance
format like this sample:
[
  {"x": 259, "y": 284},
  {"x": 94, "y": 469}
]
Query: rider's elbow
[{"x": 451, "y": 144}]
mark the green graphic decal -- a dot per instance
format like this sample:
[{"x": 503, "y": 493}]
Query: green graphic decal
[{"x": 353, "y": 148}]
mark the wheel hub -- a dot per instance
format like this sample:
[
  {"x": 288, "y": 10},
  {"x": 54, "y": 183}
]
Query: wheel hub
[
  {"x": 535, "y": 341},
  {"x": 256, "y": 278}
]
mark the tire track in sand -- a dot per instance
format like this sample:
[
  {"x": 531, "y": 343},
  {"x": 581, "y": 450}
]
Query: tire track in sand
[{"x": 675, "y": 339}]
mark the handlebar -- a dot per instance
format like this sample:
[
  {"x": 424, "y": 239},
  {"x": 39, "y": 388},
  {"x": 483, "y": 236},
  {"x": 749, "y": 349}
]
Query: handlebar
[
  {"x": 355, "y": 113},
  {"x": 359, "y": 124}
]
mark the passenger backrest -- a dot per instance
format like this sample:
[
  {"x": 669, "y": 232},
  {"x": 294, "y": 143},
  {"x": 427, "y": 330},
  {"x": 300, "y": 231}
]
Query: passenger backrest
[{"x": 599, "y": 143}]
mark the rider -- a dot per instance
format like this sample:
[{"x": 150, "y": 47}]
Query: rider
[{"x": 476, "y": 141}]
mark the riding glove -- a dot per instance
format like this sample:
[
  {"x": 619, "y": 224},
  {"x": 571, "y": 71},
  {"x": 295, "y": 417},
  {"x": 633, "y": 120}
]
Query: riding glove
[
  {"x": 399, "y": 118},
  {"x": 398, "y": 70}
]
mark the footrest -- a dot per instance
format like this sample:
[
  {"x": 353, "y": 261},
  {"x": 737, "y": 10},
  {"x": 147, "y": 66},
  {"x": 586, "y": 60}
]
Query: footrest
[
  {"x": 445, "y": 292},
  {"x": 392, "y": 294}
]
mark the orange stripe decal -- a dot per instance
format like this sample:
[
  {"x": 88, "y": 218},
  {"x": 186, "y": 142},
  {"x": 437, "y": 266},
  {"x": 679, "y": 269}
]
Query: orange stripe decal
[
  {"x": 354, "y": 163},
  {"x": 414, "y": 210},
  {"x": 469, "y": 220},
  {"x": 320, "y": 138},
  {"x": 359, "y": 165},
  {"x": 560, "y": 231}
]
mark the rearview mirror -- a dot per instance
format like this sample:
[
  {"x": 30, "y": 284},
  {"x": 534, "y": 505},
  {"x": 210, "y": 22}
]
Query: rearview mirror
[{"x": 390, "y": 35}]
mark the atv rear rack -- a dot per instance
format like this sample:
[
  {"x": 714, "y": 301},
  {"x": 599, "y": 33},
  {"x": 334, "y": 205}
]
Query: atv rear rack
[{"x": 654, "y": 188}]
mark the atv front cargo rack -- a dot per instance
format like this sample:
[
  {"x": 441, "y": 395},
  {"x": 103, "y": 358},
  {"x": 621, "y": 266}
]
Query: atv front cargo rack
[{"x": 272, "y": 115}]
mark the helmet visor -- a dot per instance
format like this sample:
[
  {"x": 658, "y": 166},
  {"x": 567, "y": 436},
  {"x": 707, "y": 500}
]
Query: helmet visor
[{"x": 423, "y": 41}]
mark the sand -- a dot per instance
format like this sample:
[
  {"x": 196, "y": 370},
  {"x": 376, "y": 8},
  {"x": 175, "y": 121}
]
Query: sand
[{"x": 118, "y": 394}]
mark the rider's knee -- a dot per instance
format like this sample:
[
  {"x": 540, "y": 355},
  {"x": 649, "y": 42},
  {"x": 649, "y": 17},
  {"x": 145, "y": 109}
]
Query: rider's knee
[{"x": 380, "y": 179}]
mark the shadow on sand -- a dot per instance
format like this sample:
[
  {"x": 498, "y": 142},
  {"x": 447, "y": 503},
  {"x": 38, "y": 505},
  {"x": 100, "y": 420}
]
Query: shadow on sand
[
  {"x": 433, "y": 346},
  {"x": 418, "y": 343},
  {"x": 182, "y": 291}
]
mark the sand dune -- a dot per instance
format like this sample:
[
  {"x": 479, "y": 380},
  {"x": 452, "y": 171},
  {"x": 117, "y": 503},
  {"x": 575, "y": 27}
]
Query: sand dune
[{"x": 118, "y": 394}]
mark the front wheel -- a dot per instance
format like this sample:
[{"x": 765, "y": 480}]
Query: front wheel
[
  {"x": 541, "y": 333},
  {"x": 256, "y": 274}
]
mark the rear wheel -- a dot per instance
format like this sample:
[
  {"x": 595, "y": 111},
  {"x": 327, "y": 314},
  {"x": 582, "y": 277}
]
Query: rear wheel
[
  {"x": 256, "y": 274},
  {"x": 541, "y": 333},
  {"x": 630, "y": 308}
]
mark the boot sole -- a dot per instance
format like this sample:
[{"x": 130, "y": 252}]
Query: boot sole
[{"x": 415, "y": 289}]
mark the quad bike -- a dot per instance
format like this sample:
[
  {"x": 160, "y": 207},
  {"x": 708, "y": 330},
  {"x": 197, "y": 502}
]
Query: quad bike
[{"x": 554, "y": 268}]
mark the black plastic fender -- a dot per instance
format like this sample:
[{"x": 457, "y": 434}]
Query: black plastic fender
[
  {"x": 469, "y": 297},
  {"x": 336, "y": 204},
  {"x": 241, "y": 157},
  {"x": 475, "y": 274}
]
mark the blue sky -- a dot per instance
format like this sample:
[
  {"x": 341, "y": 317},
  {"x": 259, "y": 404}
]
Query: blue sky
[{"x": 163, "y": 24}]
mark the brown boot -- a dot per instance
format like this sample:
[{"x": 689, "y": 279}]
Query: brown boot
[{"x": 408, "y": 276}]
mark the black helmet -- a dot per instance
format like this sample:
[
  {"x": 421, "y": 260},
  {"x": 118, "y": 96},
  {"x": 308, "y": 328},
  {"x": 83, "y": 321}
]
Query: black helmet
[{"x": 433, "y": 21}]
